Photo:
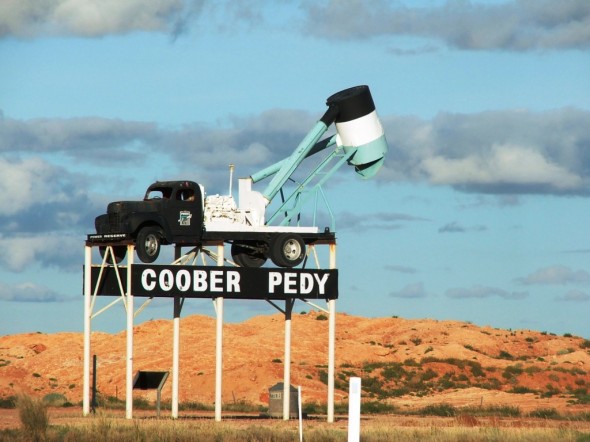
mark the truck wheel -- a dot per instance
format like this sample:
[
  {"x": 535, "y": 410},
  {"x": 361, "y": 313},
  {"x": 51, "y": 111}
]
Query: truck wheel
[
  {"x": 287, "y": 250},
  {"x": 148, "y": 244},
  {"x": 119, "y": 251},
  {"x": 247, "y": 254}
]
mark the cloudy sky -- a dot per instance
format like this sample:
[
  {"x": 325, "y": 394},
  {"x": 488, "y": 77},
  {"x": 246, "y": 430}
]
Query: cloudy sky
[{"x": 481, "y": 212}]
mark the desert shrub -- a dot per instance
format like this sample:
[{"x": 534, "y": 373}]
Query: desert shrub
[
  {"x": 376, "y": 407},
  {"x": 394, "y": 371},
  {"x": 312, "y": 408},
  {"x": 321, "y": 317},
  {"x": 397, "y": 392},
  {"x": 370, "y": 366},
  {"x": 428, "y": 375},
  {"x": 8, "y": 402},
  {"x": 582, "y": 398},
  {"x": 512, "y": 371},
  {"x": 416, "y": 341},
  {"x": 55, "y": 400},
  {"x": 585, "y": 344},
  {"x": 521, "y": 390},
  {"x": 323, "y": 375},
  {"x": 445, "y": 381},
  {"x": 545, "y": 413},
  {"x": 462, "y": 378},
  {"x": 445, "y": 410},
  {"x": 532, "y": 370},
  {"x": 550, "y": 392},
  {"x": 477, "y": 370},
  {"x": 373, "y": 385},
  {"x": 243, "y": 406},
  {"x": 491, "y": 384},
  {"x": 577, "y": 370},
  {"x": 33, "y": 417},
  {"x": 140, "y": 403},
  {"x": 195, "y": 406}
]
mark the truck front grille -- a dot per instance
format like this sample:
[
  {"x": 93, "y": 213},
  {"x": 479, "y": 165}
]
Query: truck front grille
[{"x": 114, "y": 222}]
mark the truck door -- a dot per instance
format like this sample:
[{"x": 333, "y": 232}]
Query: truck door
[{"x": 184, "y": 213}]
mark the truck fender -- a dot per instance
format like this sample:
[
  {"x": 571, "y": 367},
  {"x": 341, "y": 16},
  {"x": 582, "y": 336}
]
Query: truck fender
[{"x": 139, "y": 220}]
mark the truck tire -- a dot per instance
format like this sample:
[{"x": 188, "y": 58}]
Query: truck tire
[
  {"x": 148, "y": 243},
  {"x": 247, "y": 254},
  {"x": 287, "y": 250},
  {"x": 119, "y": 251}
]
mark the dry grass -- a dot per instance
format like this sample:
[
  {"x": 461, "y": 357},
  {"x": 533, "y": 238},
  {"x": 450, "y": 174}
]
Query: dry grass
[
  {"x": 33, "y": 417},
  {"x": 68, "y": 425}
]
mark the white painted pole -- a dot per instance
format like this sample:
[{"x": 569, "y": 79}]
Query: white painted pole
[
  {"x": 130, "y": 312},
  {"x": 219, "y": 344},
  {"x": 354, "y": 409},
  {"x": 175, "y": 347},
  {"x": 331, "y": 341},
  {"x": 175, "y": 356},
  {"x": 287, "y": 362},
  {"x": 300, "y": 414},
  {"x": 87, "y": 296}
]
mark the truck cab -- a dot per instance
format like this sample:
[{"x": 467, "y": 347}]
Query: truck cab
[{"x": 170, "y": 213}]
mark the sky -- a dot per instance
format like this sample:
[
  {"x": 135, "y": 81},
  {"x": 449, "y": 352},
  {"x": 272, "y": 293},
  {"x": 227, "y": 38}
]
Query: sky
[{"x": 480, "y": 212}]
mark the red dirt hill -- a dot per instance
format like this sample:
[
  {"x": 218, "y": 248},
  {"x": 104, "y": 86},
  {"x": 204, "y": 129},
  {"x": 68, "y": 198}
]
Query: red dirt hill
[{"x": 409, "y": 363}]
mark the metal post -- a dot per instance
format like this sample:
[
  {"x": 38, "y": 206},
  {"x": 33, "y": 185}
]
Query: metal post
[
  {"x": 176, "y": 346},
  {"x": 331, "y": 341},
  {"x": 158, "y": 400},
  {"x": 130, "y": 312},
  {"x": 87, "y": 295},
  {"x": 219, "y": 343},
  {"x": 287, "y": 365},
  {"x": 94, "y": 404}
]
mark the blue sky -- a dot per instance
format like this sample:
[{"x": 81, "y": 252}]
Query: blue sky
[{"x": 480, "y": 213}]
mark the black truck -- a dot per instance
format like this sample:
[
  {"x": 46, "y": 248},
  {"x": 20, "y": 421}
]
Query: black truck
[{"x": 173, "y": 212}]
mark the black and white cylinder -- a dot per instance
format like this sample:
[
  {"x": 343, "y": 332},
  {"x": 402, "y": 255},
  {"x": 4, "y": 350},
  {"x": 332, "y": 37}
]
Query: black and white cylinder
[{"x": 358, "y": 128}]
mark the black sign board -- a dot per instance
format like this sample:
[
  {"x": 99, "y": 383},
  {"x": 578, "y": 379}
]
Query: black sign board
[
  {"x": 169, "y": 281},
  {"x": 149, "y": 380}
]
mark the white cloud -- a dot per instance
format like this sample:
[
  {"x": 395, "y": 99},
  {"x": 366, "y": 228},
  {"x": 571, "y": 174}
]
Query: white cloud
[
  {"x": 506, "y": 152},
  {"x": 479, "y": 292},
  {"x": 455, "y": 227},
  {"x": 556, "y": 274},
  {"x": 18, "y": 253},
  {"x": 28, "y": 182},
  {"x": 94, "y": 18},
  {"x": 574, "y": 296},
  {"x": 519, "y": 25},
  {"x": 27, "y": 292},
  {"x": 503, "y": 164},
  {"x": 400, "y": 269},
  {"x": 411, "y": 291}
]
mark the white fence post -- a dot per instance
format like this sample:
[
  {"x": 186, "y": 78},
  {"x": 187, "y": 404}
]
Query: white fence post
[{"x": 354, "y": 409}]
